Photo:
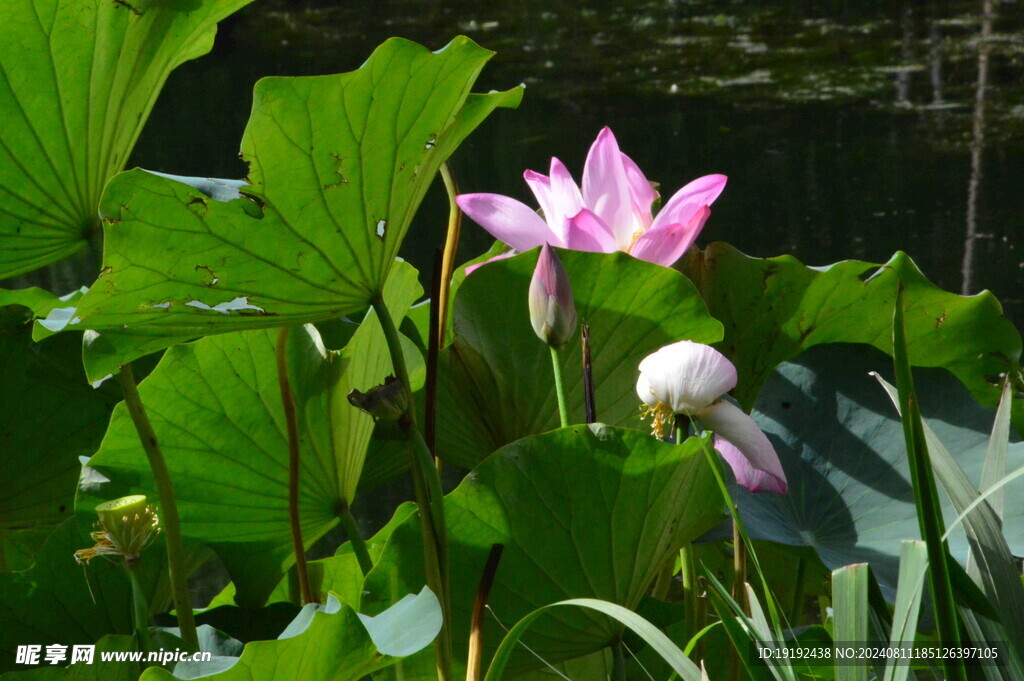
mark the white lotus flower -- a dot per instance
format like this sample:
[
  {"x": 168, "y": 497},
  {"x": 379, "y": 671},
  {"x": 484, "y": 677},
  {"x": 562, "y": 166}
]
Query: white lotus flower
[{"x": 690, "y": 379}]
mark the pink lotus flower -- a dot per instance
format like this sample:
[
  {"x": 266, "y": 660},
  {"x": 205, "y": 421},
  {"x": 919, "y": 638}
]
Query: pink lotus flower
[
  {"x": 690, "y": 378},
  {"x": 611, "y": 213}
]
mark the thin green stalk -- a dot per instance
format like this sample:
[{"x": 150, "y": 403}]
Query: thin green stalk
[
  {"x": 712, "y": 459},
  {"x": 474, "y": 655},
  {"x": 140, "y": 605},
  {"x": 739, "y": 568},
  {"x": 288, "y": 401},
  {"x": 168, "y": 507},
  {"x": 434, "y": 334},
  {"x": 348, "y": 523},
  {"x": 589, "y": 399},
  {"x": 701, "y": 606},
  {"x": 687, "y": 561},
  {"x": 451, "y": 246},
  {"x": 563, "y": 405},
  {"x": 429, "y": 495},
  {"x": 926, "y": 496},
  {"x": 691, "y": 587}
]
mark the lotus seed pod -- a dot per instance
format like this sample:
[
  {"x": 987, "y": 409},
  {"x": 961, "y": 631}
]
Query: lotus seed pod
[{"x": 111, "y": 512}]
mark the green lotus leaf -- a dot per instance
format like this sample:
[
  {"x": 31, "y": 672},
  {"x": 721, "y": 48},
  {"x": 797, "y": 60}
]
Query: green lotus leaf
[
  {"x": 216, "y": 408},
  {"x": 329, "y": 642},
  {"x": 40, "y": 301},
  {"x": 495, "y": 381},
  {"x": 52, "y": 418},
  {"x": 79, "y": 78},
  {"x": 583, "y": 512},
  {"x": 58, "y": 601},
  {"x": 841, "y": 444},
  {"x": 775, "y": 308},
  {"x": 337, "y": 168}
]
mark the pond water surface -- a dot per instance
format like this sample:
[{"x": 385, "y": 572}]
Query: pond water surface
[{"x": 847, "y": 129}]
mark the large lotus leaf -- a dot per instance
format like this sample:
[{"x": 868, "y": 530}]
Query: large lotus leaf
[
  {"x": 51, "y": 417},
  {"x": 337, "y": 166},
  {"x": 586, "y": 511},
  {"x": 216, "y": 408},
  {"x": 775, "y": 308},
  {"x": 57, "y": 601},
  {"x": 77, "y": 81},
  {"x": 495, "y": 381},
  {"x": 328, "y": 643},
  {"x": 841, "y": 444},
  {"x": 40, "y": 301}
]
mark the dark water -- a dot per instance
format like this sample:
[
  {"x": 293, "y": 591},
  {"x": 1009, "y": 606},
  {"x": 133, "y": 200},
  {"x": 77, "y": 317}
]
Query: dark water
[{"x": 847, "y": 129}]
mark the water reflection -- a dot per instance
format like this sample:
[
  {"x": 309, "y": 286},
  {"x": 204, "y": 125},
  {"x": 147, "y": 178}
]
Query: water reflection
[
  {"x": 977, "y": 148},
  {"x": 847, "y": 129}
]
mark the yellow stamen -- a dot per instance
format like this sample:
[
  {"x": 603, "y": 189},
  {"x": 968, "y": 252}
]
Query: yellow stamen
[
  {"x": 662, "y": 418},
  {"x": 103, "y": 547}
]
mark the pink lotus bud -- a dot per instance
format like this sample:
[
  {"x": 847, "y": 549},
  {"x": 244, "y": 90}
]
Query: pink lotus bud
[{"x": 552, "y": 310}]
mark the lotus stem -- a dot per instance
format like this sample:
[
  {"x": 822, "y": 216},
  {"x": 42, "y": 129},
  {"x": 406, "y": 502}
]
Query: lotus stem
[
  {"x": 451, "y": 247},
  {"x": 435, "y": 332},
  {"x": 140, "y": 605},
  {"x": 713, "y": 462},
  {"x": 691, "y": 588},
  {"x": 429, "y": 495},
  {"x": 589, "y": 400},
  {"x": 926, "y": 496},
  {"x": 701, "y": 609},
  {"x": 476, "y": 629},
  {"x": 293, "y": 467},
  {"x": 739, "y": 568},
  {"x": 348, "y": 523},
  {"x": 563, "y": 405},
  {"x": 168, "y": 507},
  {"x": 687, "y": 562}
]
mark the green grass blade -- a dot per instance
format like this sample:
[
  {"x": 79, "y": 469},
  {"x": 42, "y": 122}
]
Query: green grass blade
[
  {"x": 913, "y": 567},
  {"x": 850, "y": 613},
  {"x": 658, "y": 641},
  {"x": 747, "y": 635},
  {"x": 997, "y": 573},
  {"x": 926, "y": 495},
  {"x": 998, "y": 450},
  {"x": 981, "y": 499}
]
